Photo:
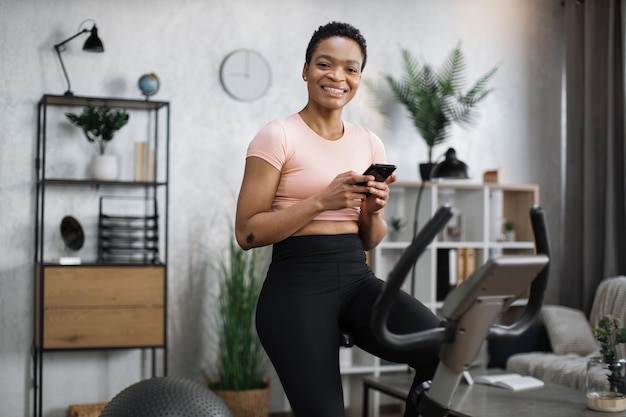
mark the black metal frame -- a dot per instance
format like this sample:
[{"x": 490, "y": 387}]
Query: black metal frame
[{"x": 150, "y": 188}]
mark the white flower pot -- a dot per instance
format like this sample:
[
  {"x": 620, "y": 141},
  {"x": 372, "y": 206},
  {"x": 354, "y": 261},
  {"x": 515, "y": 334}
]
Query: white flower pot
[{"x": 104, "y": 168}]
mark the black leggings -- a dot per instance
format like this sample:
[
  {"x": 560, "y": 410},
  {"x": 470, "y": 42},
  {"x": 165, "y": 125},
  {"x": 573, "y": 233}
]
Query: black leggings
[{"x": 315, "y": 286}]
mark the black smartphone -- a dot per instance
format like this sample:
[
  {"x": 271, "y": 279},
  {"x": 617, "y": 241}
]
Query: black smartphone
[{"x": 380, "y": 171}]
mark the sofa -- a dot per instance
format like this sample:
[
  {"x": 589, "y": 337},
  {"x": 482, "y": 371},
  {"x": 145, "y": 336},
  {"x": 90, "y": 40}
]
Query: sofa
[{"x": 556, "y": 348}]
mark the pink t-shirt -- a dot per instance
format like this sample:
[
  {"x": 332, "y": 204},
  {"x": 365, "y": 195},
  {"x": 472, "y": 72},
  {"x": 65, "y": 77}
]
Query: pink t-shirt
[{"x": 308, "y": 162}]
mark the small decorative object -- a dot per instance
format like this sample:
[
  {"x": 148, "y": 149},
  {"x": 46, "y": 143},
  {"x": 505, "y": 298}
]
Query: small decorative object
[
  {"x": 435, "y": 99},
  {"x": 452, "y": 231},
  {"x": 396, "y": 224},
  {"x": 99, "y": 125},
  {"x": 242, "y": 379},
  {"x": 606, "y": 374},
  {"x": 493, "y": 176},
  {"x": 92, "y": 44},
  {"x": 73, "y": 237},
  {"x": 509, "y": 231},
  {"x": 149, "y": 84},
  {"x": 245, "y": 75}
]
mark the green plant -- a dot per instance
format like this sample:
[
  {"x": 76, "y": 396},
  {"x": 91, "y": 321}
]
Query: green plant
[
  {"x": 240, "y": 364},
  {"x": 434, "y": 99},
  {"x": 508, "y": 226},
  {"x": 99, "y": 124},
  {"x": 396, "y": 224},
  {"x": 610, "y": 333}
]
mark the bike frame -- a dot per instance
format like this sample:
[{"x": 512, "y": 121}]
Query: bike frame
[{"x": 470, "y": 311}]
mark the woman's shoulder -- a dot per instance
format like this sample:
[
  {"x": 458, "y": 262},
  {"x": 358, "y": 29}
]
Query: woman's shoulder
[
  {"x": 273, "y": 139},
  {"x": 280, "y": 126},
  {"x": 361, "y": 132}
]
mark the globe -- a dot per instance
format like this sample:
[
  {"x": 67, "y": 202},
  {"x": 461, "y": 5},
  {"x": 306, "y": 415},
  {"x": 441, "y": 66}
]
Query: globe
[{"x": 149, "y": 84}]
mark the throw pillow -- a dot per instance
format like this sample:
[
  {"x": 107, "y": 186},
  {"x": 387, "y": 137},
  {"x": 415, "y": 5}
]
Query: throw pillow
[{"x": 569, "y": 330}]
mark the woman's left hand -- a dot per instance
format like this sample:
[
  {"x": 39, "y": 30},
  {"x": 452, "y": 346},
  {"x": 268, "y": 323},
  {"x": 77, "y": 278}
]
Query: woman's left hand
[{"x": 379, "y": 194}]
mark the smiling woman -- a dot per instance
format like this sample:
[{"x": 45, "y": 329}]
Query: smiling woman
[{"x": 303, "y": 193}]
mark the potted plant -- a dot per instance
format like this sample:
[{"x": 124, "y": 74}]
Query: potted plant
[
  {"x": 99, "y": 125},
  {"x": 242, "y": 371},
  {"x": 509, "y": 231},
  {"x": 606, "y": 374},
  {"x": 435, "y": 100},
  {"x": 396, "y": 224}
]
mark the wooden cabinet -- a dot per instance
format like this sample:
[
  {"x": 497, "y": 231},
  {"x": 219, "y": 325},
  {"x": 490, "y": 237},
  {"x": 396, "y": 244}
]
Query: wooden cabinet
[
  {"x": 103, "y": 307},
  {"x": 106, "y": 301}
]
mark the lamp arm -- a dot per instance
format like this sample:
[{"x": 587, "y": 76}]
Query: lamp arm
[
  {"x": 58, "y": 45},
  {"x": 67, "y": 79}
]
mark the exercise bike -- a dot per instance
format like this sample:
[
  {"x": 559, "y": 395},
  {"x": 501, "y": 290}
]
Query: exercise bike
[{"x": 470, "y": 312}]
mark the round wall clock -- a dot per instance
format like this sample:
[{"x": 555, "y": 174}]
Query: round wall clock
[{"x": 245, "y": 75}]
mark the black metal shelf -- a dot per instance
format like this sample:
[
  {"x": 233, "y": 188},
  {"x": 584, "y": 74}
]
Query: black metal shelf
[
  {"x": 157, "y": 189},
  {"x": 101, "y": 265},
  {"x": 127, "y": 103},
  {"x": 96, "y": 183}
]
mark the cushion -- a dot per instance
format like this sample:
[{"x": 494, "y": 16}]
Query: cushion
[
  {"x": 534, "y": 339},
  {"x": 568, "y": 330},
  {"x": 569, "y": 370}
]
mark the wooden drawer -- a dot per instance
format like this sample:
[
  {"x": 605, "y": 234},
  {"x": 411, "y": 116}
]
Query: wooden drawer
[{"x": 103, "y": 307}]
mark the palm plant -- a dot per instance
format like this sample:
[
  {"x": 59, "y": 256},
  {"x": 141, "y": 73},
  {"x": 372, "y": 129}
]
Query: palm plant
[
  {"x": 240, "y": 365},
  {"x": 434, "y": 99}
]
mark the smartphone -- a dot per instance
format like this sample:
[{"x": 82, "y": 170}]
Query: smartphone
[{"x": 380, "y": 171}]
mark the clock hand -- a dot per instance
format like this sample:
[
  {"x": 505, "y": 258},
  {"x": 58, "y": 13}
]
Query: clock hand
[{"x": 247, "y": 67}]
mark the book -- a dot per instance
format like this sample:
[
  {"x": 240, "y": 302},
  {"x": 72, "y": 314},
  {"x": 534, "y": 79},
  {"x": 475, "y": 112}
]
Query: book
[
  {"x": 510, "y": 381},
  {"x": 460, "y": 268},
  {"x": 470, "y": 262},
  {"x": 140, "y": 160},
  {"x": 446, "y": 272},
  {"x": 144, "y": 162}
]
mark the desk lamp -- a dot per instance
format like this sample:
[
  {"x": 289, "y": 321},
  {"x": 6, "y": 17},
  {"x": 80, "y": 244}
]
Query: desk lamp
[
  {"x": 450, "y": 167},
  {"x": 92, "y": 44}
]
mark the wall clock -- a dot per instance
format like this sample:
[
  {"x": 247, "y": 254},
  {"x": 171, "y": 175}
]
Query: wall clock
[{"x": 245, "y": 75}]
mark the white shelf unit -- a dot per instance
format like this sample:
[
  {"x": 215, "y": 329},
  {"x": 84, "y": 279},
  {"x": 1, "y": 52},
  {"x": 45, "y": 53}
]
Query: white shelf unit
[{"x": 482, "y": 209}]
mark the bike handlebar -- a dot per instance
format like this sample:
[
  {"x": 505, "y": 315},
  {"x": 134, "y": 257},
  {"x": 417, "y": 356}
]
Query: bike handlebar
[
  {"x": 384, "y": 303},
  {"x": 537, "y": 288},
  {"x": 445, "y": 333}
]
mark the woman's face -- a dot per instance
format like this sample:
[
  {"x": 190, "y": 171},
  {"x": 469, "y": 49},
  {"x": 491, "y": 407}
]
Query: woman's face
[{"x": 334, "y": 73}]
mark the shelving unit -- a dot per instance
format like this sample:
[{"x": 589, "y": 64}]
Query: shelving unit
[
  {"x": 97, "y": 304},
  {"x": 480, "y": 211}
]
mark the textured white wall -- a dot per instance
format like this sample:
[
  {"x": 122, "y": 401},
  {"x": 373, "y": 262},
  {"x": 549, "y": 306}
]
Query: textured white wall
[{"x": 184, "y": 43}]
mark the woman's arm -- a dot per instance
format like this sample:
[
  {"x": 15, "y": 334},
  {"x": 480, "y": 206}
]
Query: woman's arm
[
  {"x": 372, "y": 227},
  {"x": 257, "y": 225}
]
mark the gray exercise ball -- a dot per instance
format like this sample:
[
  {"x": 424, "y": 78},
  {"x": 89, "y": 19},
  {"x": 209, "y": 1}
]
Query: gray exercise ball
[{"x": 166, "y": 396}]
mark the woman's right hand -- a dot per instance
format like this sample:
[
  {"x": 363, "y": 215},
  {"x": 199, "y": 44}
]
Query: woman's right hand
[
  {"x": 344, "y": 191},
  {"x": 257, "y": 225}
]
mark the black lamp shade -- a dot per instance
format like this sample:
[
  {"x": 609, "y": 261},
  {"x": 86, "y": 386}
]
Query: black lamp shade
[
  {"x": 450, "y": 167},
  {"x": 93, "y": 42}
]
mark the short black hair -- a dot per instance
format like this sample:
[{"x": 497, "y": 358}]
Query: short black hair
[{"x": 336, "y": 29}]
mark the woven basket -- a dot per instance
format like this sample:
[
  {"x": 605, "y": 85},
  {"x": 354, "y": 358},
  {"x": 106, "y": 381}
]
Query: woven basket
[
  {"x": 86, "y": 410},
  {"x": 249, "y": 403}
]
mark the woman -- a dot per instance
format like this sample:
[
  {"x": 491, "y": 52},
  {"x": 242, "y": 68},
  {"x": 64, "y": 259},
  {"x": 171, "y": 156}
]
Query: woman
[{"x": 302, "y": 193}]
